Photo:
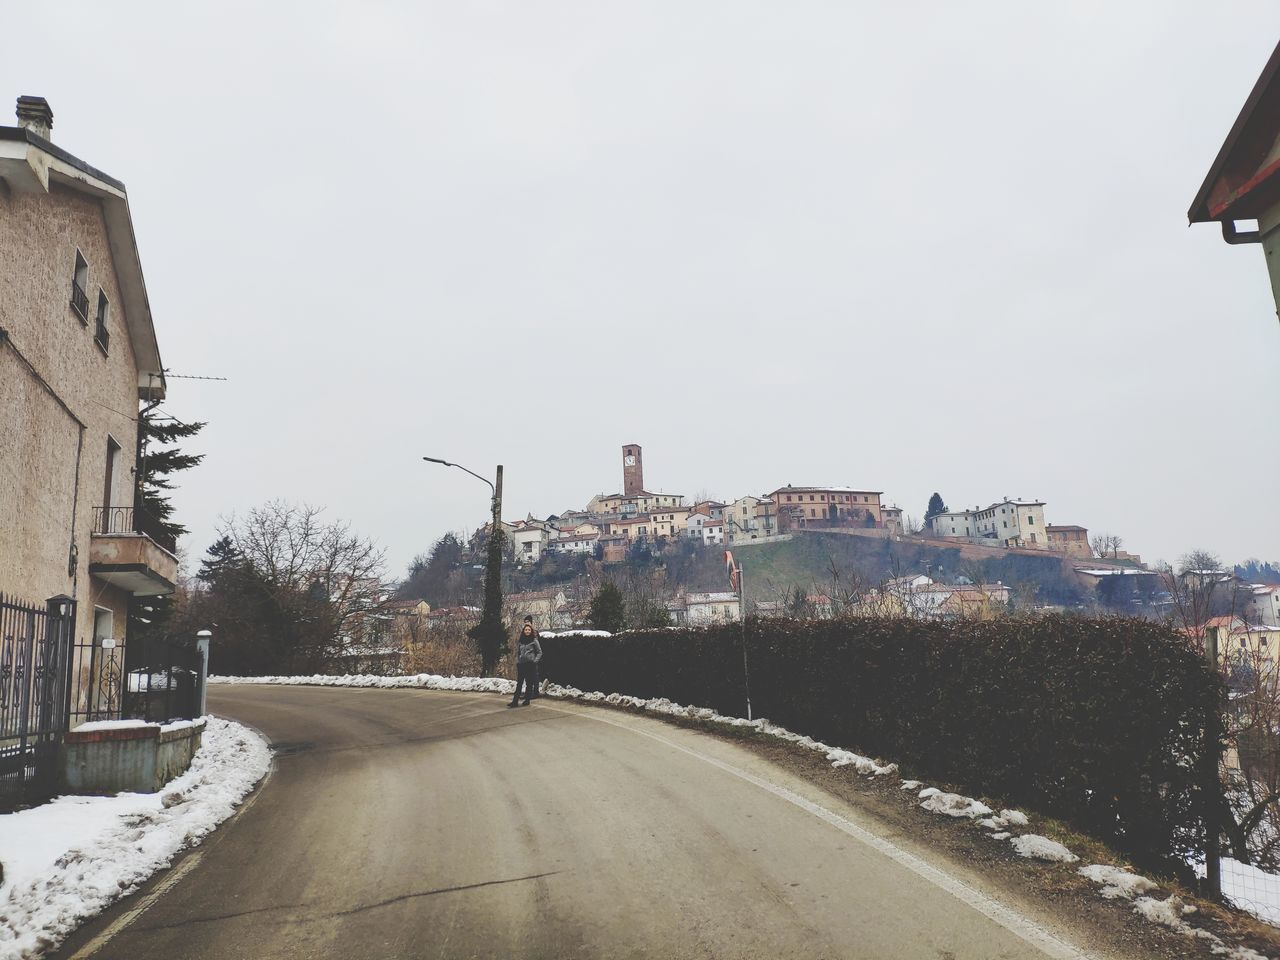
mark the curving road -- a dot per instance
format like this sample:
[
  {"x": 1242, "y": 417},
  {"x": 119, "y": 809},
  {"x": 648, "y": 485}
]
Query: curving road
[{"x": 419, "y": 824}]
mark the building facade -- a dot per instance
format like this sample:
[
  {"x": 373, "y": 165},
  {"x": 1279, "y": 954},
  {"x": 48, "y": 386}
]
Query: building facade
[
  {"x": 1011, "y": 523},
  {"x": 78, "y": 354},
  {"x": 1069, "y": 539},
  {"x": 800, "y": 507}
]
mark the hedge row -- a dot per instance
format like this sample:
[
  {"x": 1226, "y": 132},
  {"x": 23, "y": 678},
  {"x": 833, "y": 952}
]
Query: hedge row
[{"x": 1098, "y": 722}]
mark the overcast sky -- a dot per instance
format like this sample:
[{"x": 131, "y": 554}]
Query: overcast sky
[{"x": 908, "y": 247}]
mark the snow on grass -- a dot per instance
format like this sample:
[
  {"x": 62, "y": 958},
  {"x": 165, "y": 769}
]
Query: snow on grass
[
  {"x": 67, "y": 860},
  {"x": 1013, "y": 818},
  {"x": 1036, "y": 847},
  {"x": 952, "y": 804},
  {"x": 1117, "y": 883},
  {"x": 911, "y": 785}
]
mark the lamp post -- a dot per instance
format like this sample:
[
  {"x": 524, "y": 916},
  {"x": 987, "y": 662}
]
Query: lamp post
[{"x": 489, "y": 632}]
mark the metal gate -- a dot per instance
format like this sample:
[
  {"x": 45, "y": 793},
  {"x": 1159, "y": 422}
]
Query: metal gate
[{"x": 35, "y": 651}]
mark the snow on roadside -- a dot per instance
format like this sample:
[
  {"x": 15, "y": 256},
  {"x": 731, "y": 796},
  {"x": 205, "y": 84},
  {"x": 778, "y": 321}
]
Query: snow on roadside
[
  {"x": 952, "y": 804},
  {"x": 1036, "y": 847},
  {"x": 660, "y": 705},
  {"x": 67, "y": 860},
  {"x": 1117, "y": 883}
]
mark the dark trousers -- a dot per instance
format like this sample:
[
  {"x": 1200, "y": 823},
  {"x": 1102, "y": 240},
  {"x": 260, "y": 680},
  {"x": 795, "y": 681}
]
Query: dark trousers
[{"x": 526, "y": 674}]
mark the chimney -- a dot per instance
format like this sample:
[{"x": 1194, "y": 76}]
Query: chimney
[{"x": 35, "y": 114}]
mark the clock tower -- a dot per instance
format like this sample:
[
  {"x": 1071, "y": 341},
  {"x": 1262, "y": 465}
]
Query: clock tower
[{"x": 632, "y": 470}]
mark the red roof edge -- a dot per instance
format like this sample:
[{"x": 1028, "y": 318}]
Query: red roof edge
[{"x": 1200, "y": 211}]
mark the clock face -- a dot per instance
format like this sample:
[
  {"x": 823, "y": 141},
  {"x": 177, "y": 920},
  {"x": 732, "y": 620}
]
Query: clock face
[{"x": 629, "y": 460}]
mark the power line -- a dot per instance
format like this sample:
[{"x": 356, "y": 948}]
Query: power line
[{"x": 188, "y": 376}]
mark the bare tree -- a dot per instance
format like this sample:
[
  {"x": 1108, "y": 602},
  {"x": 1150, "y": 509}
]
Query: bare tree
[
  {"x": 325, "y": 582},
  {"x": 1105, "y": 544}
]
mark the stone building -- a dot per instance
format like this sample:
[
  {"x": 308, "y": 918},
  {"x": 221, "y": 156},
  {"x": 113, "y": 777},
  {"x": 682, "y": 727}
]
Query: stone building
[
  {"x": 1069, "y": 538},
  {"x": 799, "y": 507},
  {"x": 78, "y": 353}
]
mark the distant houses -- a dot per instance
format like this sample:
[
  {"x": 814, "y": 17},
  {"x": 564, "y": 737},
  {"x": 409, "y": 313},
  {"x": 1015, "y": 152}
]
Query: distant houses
[{"x": 611, "y": 527}]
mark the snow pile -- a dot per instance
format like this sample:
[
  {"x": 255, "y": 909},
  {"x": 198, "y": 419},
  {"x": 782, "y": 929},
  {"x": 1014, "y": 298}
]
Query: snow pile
[
  {"x": 952, "y": 804},
  {"x": 68, "y": 859},
  {"x": 1117, "y": 883},
  {"x": 93, "y": 726},
  {"x": 574, "y": 633},
  {"x": 865, "y": 765},
  {"x": 659, "y": 705},
  {"x": 911, "y": 785},
  {"x": 426, "y": 681},
  {"x": 1036, "y": 847},
  {"x": 1007, "y": 818}
]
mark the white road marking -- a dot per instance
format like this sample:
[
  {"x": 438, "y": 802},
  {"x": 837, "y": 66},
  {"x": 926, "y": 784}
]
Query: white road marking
[
  {"x": 171, "y": 881},
  {"x": 161, "y": 888},
  {"x": 1022, "y": 927}
]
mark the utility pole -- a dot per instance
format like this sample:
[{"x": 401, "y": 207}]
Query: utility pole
[
  {"x": 742, "y": 615},
  {"x": 1212, "y": 781},
  {"x": 489, "y": 633}
]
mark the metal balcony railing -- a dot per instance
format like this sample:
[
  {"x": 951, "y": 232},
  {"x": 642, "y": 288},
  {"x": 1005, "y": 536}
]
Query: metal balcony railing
[
  {"x": 102, "y": 335},
  {"x": 126, "y": 520},
  {"x": 79, "y": 301}
]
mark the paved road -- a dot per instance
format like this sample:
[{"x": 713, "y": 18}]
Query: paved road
[{"x": 420, "y": 824}]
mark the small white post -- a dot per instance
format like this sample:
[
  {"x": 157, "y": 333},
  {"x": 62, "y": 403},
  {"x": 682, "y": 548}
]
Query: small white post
[{"x": 202, "y": 645}]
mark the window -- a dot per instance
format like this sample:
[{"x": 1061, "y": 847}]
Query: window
[
  {"x": 1031, "y": 521},
  {"x": 80, "y": 280},
  {"x": 109, "y": 478},
  {"x": 101, "y": 336}
]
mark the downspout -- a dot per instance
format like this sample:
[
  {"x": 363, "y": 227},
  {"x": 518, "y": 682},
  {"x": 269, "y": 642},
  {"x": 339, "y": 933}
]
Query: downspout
[
  {"x": 1233, "y": 236},
  {"x": 139, "y": 458}
]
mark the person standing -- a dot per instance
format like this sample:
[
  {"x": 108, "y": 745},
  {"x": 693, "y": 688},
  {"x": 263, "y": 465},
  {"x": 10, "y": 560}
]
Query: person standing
[{"x": 528, "y": 653}]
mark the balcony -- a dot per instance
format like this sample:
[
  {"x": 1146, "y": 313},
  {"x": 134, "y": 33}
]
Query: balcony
[
  {"x": 80, "y": 301},
  {"x": 130, "y": 549},
  {"x": 102, "y": 337}
]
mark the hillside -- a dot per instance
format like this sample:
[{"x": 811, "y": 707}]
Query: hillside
[{"x": 817, "y": 563}]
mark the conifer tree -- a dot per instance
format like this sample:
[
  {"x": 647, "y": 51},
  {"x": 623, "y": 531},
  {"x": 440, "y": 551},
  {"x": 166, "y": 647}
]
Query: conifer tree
[
  {"x": 608, "y": 612},
  {"x": 936, "y": 507}
]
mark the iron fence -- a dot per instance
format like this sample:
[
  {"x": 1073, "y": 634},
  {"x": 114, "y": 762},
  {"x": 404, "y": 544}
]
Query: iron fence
[
  {"x": 35, "y": 645},
  {"x": 97, "y": 673},
  {"x": 162, "y": 680}
]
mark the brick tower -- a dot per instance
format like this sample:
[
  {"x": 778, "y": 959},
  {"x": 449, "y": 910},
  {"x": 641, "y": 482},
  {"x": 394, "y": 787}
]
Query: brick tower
[{"x": 632, "y": 470}]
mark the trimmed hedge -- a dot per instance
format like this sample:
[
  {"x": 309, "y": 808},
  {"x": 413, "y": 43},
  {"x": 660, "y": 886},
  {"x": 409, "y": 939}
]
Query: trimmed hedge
[{"x": 1098, "y": 722}]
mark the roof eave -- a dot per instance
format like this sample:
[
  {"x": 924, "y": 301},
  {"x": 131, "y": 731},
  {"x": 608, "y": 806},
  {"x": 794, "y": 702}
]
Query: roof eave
[
  {"x": 1199, "y": 211},
  {"x": 36, "y": 162}
]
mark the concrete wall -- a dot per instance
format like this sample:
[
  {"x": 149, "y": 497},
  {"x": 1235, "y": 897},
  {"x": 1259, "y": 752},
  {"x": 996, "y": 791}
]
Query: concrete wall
[
  {"x": 40, "y": 502},
  {"x": 139, "y": 759}
]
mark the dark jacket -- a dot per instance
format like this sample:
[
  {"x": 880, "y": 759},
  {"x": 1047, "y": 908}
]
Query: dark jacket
[{"x": 528, "y": 650}]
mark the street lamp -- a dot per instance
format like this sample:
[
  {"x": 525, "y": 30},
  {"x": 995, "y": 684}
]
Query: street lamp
[{"x": 489, "y": 632}]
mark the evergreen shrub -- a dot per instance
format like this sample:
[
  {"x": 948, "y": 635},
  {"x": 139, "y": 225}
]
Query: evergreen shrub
[{"x": 1096, "y": 721}]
